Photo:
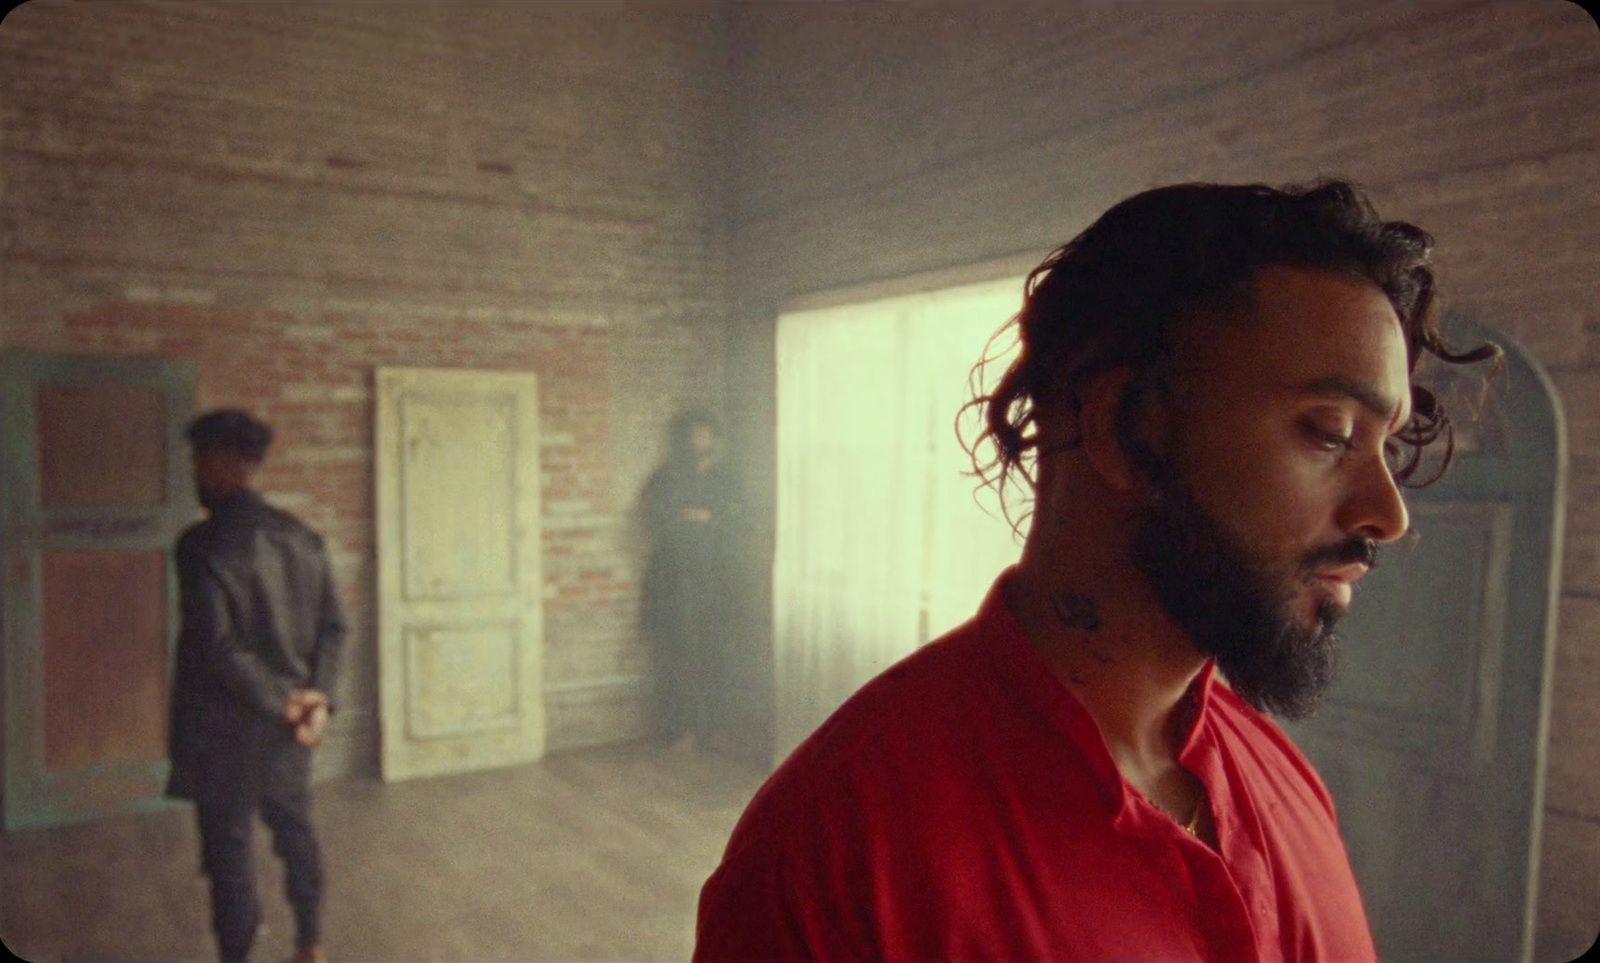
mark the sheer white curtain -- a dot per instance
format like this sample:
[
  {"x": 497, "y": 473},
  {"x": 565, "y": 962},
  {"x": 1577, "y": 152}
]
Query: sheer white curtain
[{"x": 880, "y": 544}]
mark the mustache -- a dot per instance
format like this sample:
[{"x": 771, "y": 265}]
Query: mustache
[{"x": 1355, "y": 549}]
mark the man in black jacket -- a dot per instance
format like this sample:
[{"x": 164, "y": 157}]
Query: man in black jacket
[{"x": 258, "y": 654}]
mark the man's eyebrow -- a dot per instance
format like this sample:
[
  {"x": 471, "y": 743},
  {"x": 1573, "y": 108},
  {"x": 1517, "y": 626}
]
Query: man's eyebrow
[{"x": 1339, "y": 386}]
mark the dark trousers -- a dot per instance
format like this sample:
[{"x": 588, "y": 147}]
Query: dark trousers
[{"x": 226, "y": 830}]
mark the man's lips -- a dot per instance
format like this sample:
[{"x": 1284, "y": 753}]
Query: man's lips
[
  {"x": 1347, "y": 574},
  {"x": 1340, "y": 581}
]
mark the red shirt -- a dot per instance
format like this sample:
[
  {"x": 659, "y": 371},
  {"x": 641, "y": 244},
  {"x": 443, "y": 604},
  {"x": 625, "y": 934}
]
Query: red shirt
[{"x": 963, "y": 805}]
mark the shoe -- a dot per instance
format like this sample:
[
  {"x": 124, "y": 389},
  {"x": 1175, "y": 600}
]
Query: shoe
[{"x": 310, "y": 954}]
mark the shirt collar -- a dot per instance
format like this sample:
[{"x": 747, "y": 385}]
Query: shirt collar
[{"x": 1027, "y": 670}]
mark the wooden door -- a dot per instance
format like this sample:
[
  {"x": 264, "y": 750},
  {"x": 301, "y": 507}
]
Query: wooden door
[
  {"x": 93, "y": 492},
  {"x": 460, "y": 617},
  {"x": 1432, "y": 739}
]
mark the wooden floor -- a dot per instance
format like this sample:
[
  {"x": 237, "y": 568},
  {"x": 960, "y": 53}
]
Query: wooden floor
[{"x": 591, "y": 855}]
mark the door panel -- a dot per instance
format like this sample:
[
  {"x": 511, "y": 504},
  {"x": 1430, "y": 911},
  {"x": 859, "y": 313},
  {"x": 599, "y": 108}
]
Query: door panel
[
  {"x": 1432, "y": 738},
  {"x": 93, "y": 492},
  {"x": 101, "y": 445},
  {"x": 460, "y": 618},
  {"x": 105, "y": 657},
  {"x": 458, "y": 547},
  {"x": 462, "y": 679}
]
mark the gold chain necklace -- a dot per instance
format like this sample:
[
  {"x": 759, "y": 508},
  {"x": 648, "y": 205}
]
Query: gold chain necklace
[{"x": 1192, "y": 827}]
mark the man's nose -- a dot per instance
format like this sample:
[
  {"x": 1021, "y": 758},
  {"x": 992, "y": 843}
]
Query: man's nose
[{"x": 1376, "y": 509}]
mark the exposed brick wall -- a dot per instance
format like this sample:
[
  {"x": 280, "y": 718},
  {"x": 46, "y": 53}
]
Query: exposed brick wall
[
  {"x": 294, "y": 194},
  {"x": 874, "y": 141}
]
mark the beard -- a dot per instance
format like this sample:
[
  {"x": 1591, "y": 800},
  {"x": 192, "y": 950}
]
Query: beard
[{"x": 1232, "y": 604}]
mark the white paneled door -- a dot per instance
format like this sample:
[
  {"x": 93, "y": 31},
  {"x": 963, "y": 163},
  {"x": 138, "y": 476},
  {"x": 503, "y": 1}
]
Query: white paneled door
[{"x": 460, "y": 621}]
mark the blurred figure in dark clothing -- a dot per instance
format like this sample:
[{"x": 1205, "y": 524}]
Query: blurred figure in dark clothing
[
  {"x": 690, "y": 508},
  {"x": 258, "y": 658}
]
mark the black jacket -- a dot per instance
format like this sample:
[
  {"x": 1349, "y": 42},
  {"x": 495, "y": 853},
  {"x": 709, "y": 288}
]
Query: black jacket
[{"x": 260, "y": 618}]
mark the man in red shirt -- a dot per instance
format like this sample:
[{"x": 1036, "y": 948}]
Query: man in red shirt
[{"x": 1214, "y": 410}]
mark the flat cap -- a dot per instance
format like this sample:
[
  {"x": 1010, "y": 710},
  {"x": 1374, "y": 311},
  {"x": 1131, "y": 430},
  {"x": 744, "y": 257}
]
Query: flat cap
[{"x": 231, "y": 430}]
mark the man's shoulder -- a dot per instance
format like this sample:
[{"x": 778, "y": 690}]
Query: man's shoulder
[
  {"x": 199, "y": 540},
  {"x": 883, "y": 735},
  {"x": 233, "y": 533},
  {"x": 278, "y": 520},
  {"x": 919, "y": 692}
]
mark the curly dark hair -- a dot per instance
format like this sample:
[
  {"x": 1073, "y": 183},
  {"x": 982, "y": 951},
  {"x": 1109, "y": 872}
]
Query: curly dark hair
[{"x": 1113, "y": 295}]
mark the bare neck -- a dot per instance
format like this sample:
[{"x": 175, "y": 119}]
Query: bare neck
[{"x": 1093, "y": 618}]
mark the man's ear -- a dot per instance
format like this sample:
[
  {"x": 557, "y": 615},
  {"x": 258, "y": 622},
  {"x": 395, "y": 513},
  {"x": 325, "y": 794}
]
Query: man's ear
[{"x": 1101, "y": 399}]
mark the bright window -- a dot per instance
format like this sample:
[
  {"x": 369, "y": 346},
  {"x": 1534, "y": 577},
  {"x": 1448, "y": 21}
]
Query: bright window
[{"x": 880, "y": 543}]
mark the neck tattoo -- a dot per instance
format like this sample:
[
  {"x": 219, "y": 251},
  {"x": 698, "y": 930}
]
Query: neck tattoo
[{"x": 1077, "y": 611}]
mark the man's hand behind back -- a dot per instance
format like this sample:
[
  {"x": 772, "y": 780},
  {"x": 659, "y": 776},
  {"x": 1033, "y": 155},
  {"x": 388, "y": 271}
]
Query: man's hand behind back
[{"x": 307, "y": 711}]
